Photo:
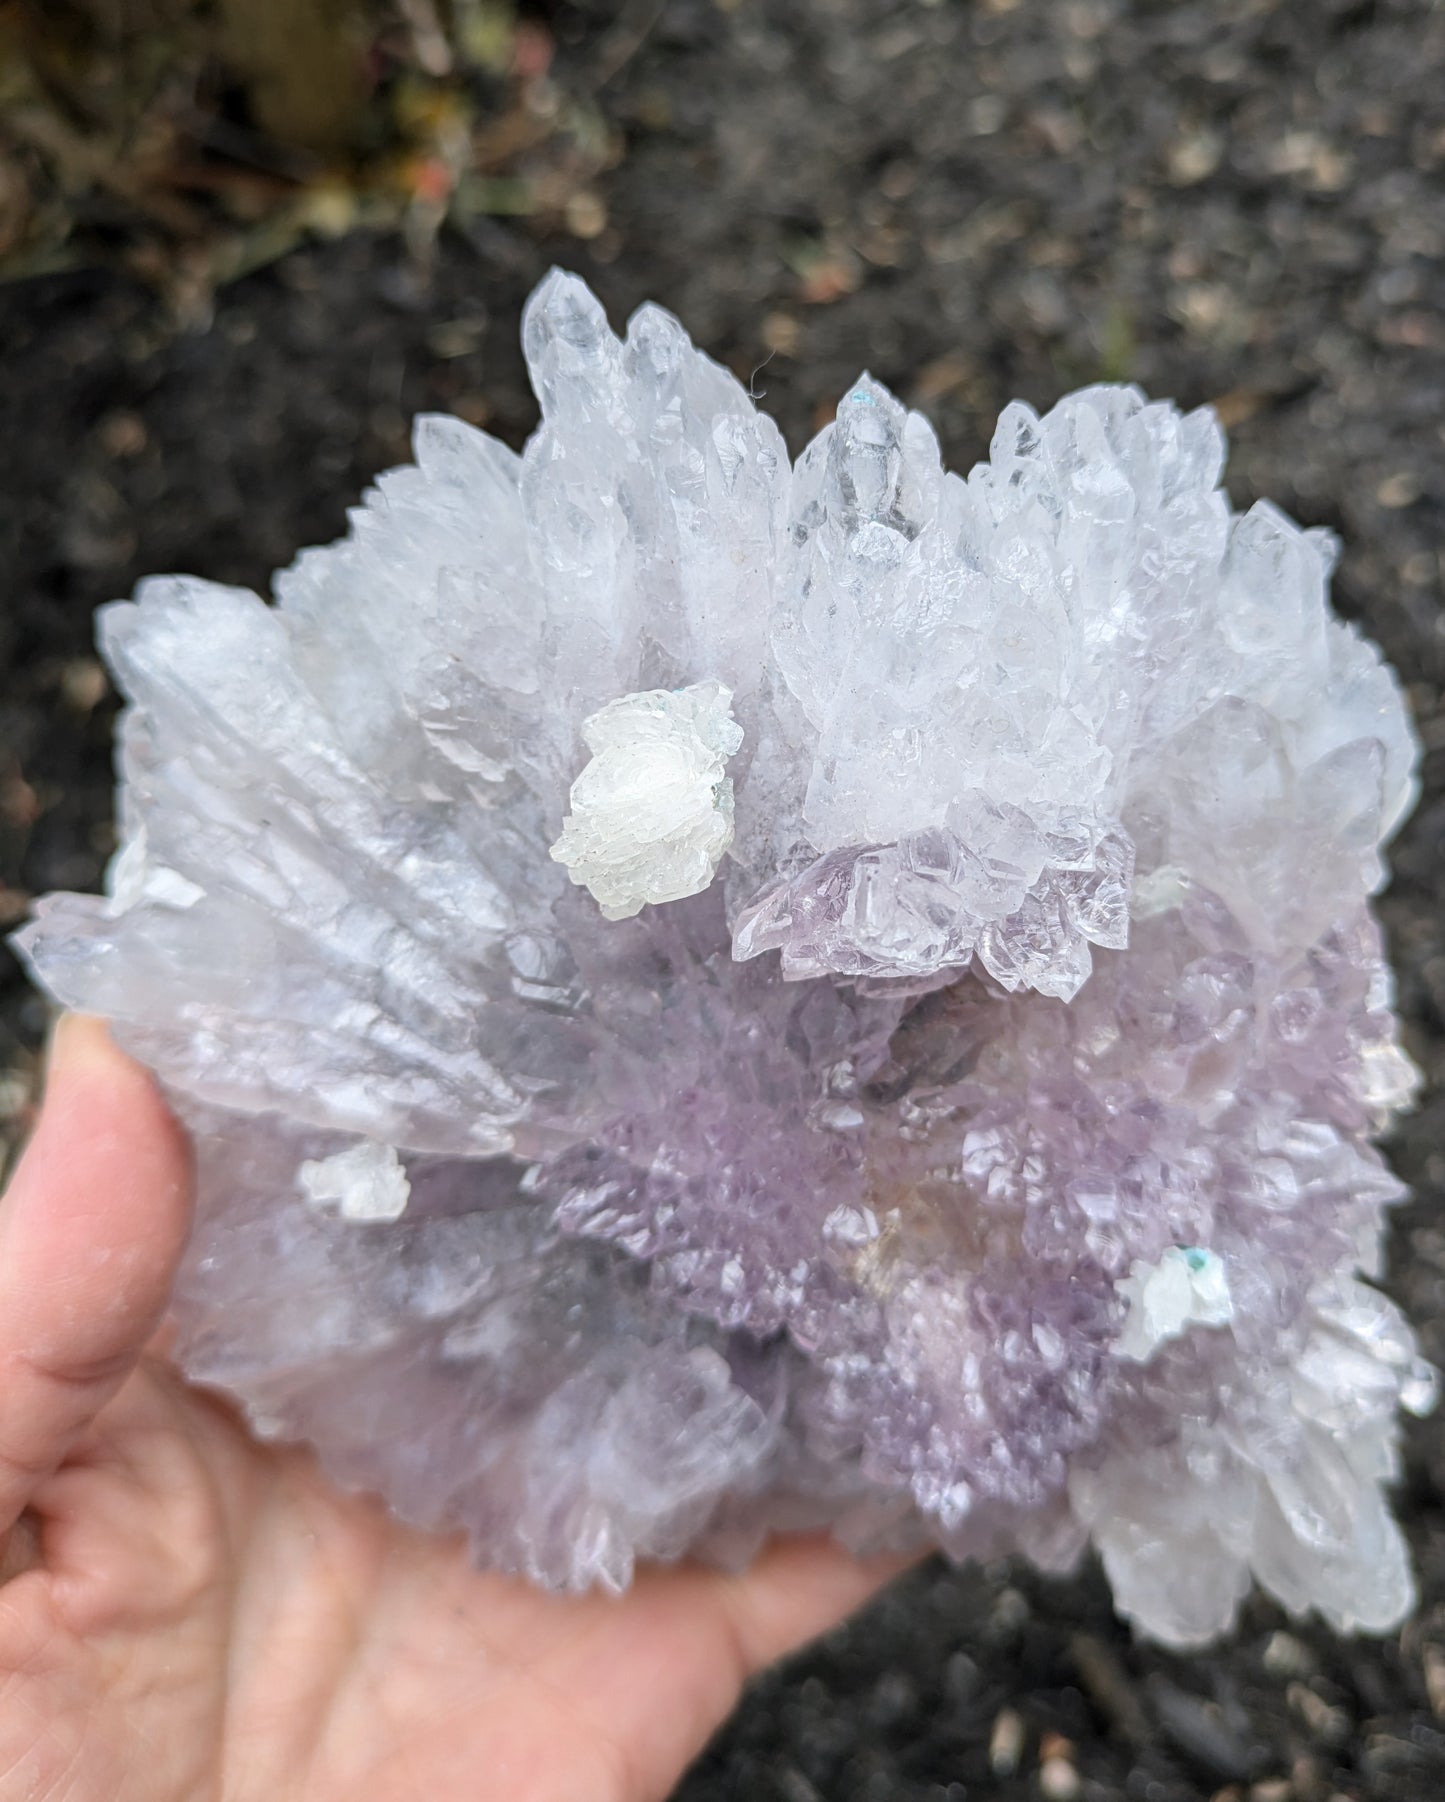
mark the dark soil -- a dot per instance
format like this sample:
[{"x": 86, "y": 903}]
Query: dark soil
[{"x": 1241, "y": 203}]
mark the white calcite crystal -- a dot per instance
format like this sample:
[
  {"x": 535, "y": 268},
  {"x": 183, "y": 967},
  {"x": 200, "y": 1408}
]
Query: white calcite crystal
[
  {"x": 717, "y": 995},
  {"x": 1187, "y": 1287},
  {"x": 367, "y": 1181},
  {"x": 652, "y": 813}
]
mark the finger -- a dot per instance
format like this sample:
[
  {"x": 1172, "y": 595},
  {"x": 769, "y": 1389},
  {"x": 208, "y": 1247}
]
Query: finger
[
  {"x": 91, "y": 1230},
  {"x": 797, "y": 1589},
  {"x": 659, "y": 1671}
]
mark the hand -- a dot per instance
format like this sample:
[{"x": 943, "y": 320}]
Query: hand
[{"x": 188, "y": 1615}]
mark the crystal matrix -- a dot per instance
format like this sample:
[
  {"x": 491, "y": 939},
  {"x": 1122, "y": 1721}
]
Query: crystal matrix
[{"x": 716, "y": 995}]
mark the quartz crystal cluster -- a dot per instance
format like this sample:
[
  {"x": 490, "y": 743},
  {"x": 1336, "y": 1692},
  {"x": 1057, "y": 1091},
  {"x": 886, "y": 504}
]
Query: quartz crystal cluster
[{"x": 717, "y": 995}]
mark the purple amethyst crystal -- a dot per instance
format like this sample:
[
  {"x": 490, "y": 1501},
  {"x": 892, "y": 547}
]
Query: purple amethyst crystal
[{"x": 717, "y": 996}]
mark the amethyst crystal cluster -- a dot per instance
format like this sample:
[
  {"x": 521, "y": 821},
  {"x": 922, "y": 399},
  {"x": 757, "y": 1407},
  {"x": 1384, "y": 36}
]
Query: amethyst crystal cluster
[{"x": 716, "y": 995}]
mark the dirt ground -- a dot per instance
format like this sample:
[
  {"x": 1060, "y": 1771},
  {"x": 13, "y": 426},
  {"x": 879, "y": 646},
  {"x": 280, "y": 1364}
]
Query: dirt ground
[{"x": 1238, "y": 202}]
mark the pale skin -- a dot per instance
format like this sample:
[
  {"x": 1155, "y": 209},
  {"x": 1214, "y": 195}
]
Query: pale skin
[{"x": 189, "y": 1616}]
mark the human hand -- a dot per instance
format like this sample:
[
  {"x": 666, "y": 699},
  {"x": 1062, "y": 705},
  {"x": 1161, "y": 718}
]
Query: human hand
[{"x": 187, "y": 1614}]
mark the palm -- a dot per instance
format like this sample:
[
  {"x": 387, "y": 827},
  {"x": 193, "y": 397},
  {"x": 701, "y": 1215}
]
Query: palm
[{"x": 191, "y": 1615}]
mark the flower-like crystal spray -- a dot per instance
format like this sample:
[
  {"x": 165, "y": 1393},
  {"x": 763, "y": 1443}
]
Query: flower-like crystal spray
[{"x": 718, "y": 995}]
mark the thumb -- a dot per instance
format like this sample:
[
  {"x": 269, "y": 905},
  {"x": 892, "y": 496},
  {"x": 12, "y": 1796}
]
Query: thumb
[{"x": 91, "y": 1229}]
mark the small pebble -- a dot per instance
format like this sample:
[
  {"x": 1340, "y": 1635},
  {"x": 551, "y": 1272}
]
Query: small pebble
[
  {"x": 1006, "y": 1743},
  {"x": 585, "y": 214},
  {"x": 1329, "y": 1724},
  {"x": 1286, "y": 1656},
  {"x": 1433, "y": 1663},
  {"x": 1010, "y": 1611},
  {"x": 1398, "y": 490},
  {"x": 781, "y": 334},
  {"x": 83, "y": 684},
  {"x": 122, "y": 434},
  {"x": 15, "y": 1094}
]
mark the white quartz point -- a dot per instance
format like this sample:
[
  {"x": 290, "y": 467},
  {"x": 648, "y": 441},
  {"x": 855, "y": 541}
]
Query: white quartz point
[
  {"x": 364, "y": 1182},
  {"x": 1187, "y": 1287},
  {"x": 652, "y": 813}
]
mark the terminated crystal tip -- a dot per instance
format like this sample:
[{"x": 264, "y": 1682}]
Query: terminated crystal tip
[{"x": 652, "y": 813}]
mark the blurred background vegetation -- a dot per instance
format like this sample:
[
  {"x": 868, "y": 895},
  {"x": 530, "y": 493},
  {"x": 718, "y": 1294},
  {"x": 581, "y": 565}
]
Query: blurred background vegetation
[{"x": 192, "y": 141}]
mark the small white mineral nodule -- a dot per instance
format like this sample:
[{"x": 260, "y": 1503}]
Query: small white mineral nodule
[
  {"x": 1187, "y": 1287},
  {"x": 134, "y": 877},
  {"x": 652, "y": 813},
  {"x": 366, "y": 1181}
]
